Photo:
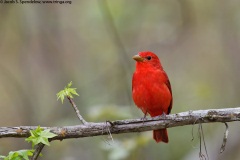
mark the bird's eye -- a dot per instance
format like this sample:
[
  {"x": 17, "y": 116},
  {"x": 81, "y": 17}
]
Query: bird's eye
[{"x": 149, "y": 57}]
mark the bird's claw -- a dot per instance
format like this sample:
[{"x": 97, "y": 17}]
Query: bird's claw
[
  {"x": 144, "y": 117},
  {"x": 160, "y": 117}
]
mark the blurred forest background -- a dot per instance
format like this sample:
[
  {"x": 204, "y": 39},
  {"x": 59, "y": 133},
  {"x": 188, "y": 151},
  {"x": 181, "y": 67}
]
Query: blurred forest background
[{"x": 43, "y": 47}]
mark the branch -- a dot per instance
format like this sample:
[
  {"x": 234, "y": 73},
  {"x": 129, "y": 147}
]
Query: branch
[
  {"x": 37, "y": 151},
  {"x": 131, "y": 125},
  {"x": 76, "y": 110}
]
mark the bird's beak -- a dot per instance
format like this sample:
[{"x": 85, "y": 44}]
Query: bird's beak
[{"x": 138, "y": 58}]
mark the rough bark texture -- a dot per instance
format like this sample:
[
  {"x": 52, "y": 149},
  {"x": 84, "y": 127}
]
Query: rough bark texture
[{"x": 130, "y": 125}]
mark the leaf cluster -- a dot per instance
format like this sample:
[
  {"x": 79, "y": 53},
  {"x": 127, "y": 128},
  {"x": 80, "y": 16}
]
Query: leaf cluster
[
  {"x": 67, "y": 92},
  {"x": 37, "y": 136},
  {"x": 18, "y": 155},
  {"x": 40, "y": 136}
]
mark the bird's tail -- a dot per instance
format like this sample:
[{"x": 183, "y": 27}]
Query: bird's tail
[{"x": 160, "y": 135}]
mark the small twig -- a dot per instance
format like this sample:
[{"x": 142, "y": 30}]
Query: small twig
[
  {"x": 77, "y": 111},
  {"x": 201, "y": 139},
  {"x": 193, "y": 128},
  {"x": 37, "y": 151},
  {"x": 224, "y": 138},
  {"x": 201, "y": 155},
  {"x": 110, "y": 135},
  {"x": 205, "y": 146}
]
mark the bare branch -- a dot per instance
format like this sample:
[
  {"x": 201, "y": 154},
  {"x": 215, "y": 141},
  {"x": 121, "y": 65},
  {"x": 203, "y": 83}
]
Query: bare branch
[
  {"x": 37, "y": 151},
  {"x": 224, "y": 139},
  {"x": 77, "y": 111},
  {"x": 201, "y": 138},
  {"x": 130, "y": 125}
]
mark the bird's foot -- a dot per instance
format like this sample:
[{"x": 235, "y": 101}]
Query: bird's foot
[
  {"x": 163, "y": 116},
  {"x": 144, "y": 117}
]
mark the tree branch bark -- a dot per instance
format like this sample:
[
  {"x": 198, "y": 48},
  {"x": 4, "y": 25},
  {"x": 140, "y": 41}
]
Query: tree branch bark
[
  {"x": 37, "y": 151},
  {"x": 131, "y": 125}
]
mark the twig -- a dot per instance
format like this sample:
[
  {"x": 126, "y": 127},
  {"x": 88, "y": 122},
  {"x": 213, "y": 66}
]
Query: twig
[
  {"x": 76, "y": 110},
  {"x": 201, "y": 155},
  {"x": 37, "y": 151},
  {"x": 224, "y": 138},
  {"x": 192, "y": 129},
  {"x": 201, "y": 137},
  {"x": 110, "y": 135}
]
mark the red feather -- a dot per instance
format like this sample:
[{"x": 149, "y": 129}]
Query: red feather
[{"x": 151, "y": 89}]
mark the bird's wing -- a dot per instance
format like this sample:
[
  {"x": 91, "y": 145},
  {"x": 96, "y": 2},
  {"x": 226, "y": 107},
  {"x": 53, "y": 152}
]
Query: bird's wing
[{"x": 170, "y": 89}]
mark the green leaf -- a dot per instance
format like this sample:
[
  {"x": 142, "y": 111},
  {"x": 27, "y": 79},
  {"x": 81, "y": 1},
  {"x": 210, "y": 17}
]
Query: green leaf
[
  {"x": 67, "y": 92},
  {"x": 69, "y": 84},
  {"x": 46, "y": 133},
  {"x": 25, "y": 154},
  {"x": 73, "y": 91},
  {"x": 13, "y": 155},
  {"x": 18, "y": 155},
  {"x": 40, "y": 136},
  {"x": 61, "y": 95}
]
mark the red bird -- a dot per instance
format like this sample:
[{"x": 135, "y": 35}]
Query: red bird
[{"x": 151, "y": 89}]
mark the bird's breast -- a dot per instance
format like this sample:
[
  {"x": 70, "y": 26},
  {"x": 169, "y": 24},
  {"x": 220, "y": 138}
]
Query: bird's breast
[{"x": 150, "y": 92}]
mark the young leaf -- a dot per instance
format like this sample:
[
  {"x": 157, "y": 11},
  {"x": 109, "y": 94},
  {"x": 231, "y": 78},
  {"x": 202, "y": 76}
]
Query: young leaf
[
  {"x": 67, "y": 92},
  {"x": 25, "y": 154},
  {"x": 18, "y": 155},
  {"x": 40, "y": 136},
  {"x": 69, "y": 84},
  {"x": 73, "y": 91},
  {"x": 61, "y": 95}
]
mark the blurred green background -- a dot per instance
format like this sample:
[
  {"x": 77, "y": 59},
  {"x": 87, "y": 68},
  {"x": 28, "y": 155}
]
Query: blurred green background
[{"x": 43, "y": 47}]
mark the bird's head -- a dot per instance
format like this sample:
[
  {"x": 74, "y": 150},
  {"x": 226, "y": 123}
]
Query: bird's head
[{"x": 147, "y": 58}]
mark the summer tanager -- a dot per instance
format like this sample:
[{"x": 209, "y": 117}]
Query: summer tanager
[{"x": 151, "y": 89}]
